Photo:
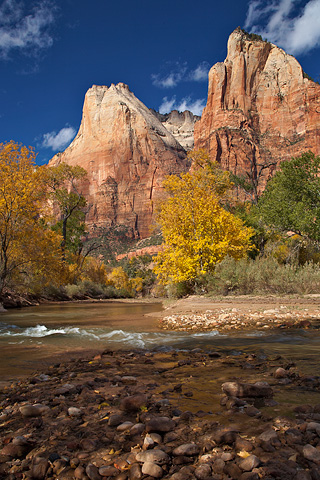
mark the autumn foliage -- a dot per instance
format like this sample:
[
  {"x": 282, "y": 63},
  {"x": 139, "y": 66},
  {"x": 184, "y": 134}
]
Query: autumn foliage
[
  {"x": 30, "y": 252},
  {"x": 198, "y": 231}
]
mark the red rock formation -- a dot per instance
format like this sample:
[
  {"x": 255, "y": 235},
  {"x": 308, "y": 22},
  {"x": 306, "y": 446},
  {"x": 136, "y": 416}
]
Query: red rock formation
[
  {"x": 260, "y": 109},
  {"x": 152, "y": 250},
  {"x": 127, "y": 153}
]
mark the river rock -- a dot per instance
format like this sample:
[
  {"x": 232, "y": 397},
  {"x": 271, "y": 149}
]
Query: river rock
[
  {"x": 251, "y": 390},
  {"x": 129, "y": 380},
  {"x": 108, "y": 471},
  {"x": 202, "y": 472},
  {"x": 252, "y": 411},
  {"x": 137, "y": 429},
  {"x": 160, "y": 424},
  {"x": 311, "y": 453},
  {"x": 154, "y": 456},
  {"x": 20, "y": 440},
  {"x": 224, "y": 435},
  {"x": 232, "y": 470},
  {"x": 15, "y": 451},
  {"x": 115, "y": 420},
  {"x": 148, "y": 442},
  {"x": 93, "y": 472},
  {"x": 218, "y": 466},
  {"x": 124, "y": 426},
  {"x": 243, "y": 444},
  {"x": 187, "y": 449},
  {"x": 74, "y": 412},
  {"x": 65, "y": 389},
  {"x": 152, "y": 469},
  {"x": 33, "y": 410},
  {"x": 314, "y": 426},
  {"x": 133, "y": 403},
  {"x": 280, "y": 373},
  {"x": 79, "y": 473},
  {"x": 250, "y": 476},
  {"x": 135, "y": 472},
  {"x": 249, "y": 463},
  {"x": 39, "y": 468}
]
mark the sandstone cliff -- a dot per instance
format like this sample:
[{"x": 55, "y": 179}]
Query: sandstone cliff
[
  {"x": 127, "y": 152},
  {"x": 181, "y": 125},
  {"x": 260, "y": 110}
]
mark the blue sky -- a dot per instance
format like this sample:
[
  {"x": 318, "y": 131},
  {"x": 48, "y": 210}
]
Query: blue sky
[{"x": 52, "y": 51}]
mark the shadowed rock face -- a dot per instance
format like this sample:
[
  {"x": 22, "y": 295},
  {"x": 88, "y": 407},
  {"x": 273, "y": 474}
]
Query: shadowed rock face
[
  {"x": 127, "y": 153},
  {"x": 260, "y": 109}
]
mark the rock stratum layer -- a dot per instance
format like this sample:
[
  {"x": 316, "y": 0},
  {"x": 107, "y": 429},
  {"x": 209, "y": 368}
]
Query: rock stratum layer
[
  {"x": 260, "y": 110},
  {"x": 127, "y": 153}
]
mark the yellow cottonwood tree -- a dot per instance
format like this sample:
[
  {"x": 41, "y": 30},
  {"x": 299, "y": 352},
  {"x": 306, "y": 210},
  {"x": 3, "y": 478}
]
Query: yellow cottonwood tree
[
  {"x": 198, "y": 232},
  {"x": 27, "y": 247}
]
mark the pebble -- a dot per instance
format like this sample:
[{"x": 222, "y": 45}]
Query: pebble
[
  {"x": 280, "y": 373},
  {"x": 203, "y": 472},
  {"x": 311, "y": 453},
  {"x": 124, "y": 426},
  {"x": 154, "y": 456},
  {"x": 93, "y": 472},
  {"x": 160, "y": 424},
  {"x": 115, "y": 420},
  {"x": 129, "y": 380},
  {"x": 74, "y": 412},
  {"x": 249, "y": 463},
  {"x": 187, "y": 449},
  {"x": 135, "y": 472},
  {"x": 33, "y": 410},
  {"x": 121, "y": 434},
  {"x": 152, "y": 469},
  {"x": 133, "y": 403},
  {"x": 137, "y": 429},
  {"x": 108, "y": 471}
]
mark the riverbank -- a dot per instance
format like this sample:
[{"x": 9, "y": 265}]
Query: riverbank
[
  {"x": 179, "y": 415},
  {"x": 234, "y": 313}
]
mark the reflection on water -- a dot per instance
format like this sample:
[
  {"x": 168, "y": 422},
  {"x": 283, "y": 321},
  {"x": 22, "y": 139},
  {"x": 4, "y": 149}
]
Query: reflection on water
[{"x": 29, "y": 337}]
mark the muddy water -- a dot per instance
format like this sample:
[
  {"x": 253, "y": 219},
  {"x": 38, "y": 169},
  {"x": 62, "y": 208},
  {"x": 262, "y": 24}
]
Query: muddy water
[{"x": 33, "y": 337}]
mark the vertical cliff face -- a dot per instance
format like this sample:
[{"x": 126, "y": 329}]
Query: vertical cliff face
[
  {"x": 260, "y": 109},
  {"x": 127, "y": 153}
]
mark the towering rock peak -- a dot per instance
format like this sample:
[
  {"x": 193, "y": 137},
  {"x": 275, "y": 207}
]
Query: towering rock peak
[
  {"x": 180, "y": 125},
  {"x": 127, "y": 152},
  {"x": 260, "y": 109}
]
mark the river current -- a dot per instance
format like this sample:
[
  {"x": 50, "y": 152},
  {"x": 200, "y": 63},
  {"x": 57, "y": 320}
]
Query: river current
[{"x": 34, "y": 337}]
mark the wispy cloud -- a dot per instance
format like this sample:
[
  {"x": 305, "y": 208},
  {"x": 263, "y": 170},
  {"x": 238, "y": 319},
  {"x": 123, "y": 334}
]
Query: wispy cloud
[
  {"x": 23, "y": 29},
  {"x": 174, "y": 73},
  {"x": 58, "y": 141},
  {"x": 286, "y": 23},
  {"x": 200, "y": 73},
  {"x": 195, "y": 106}
]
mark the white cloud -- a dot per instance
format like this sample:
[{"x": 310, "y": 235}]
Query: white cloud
[
  {"x": 25, "y": 31},
  {"x": 171, "y": 79},
  {"x": 180, "y": 73},
  {"x": 200, "y": 73},
  {"x": 282, "y": 22},
  {"x": 195, "y": 106},
  {"x": 60, "y": 140}
]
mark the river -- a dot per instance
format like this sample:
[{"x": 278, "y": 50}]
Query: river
[{"x": 34, "y": 337}]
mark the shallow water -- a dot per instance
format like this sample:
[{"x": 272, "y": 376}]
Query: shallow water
[{"x": 31, "y": 338}]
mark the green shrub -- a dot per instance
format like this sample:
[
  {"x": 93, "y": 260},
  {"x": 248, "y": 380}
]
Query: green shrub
[{"x": 262, "y": 276}]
